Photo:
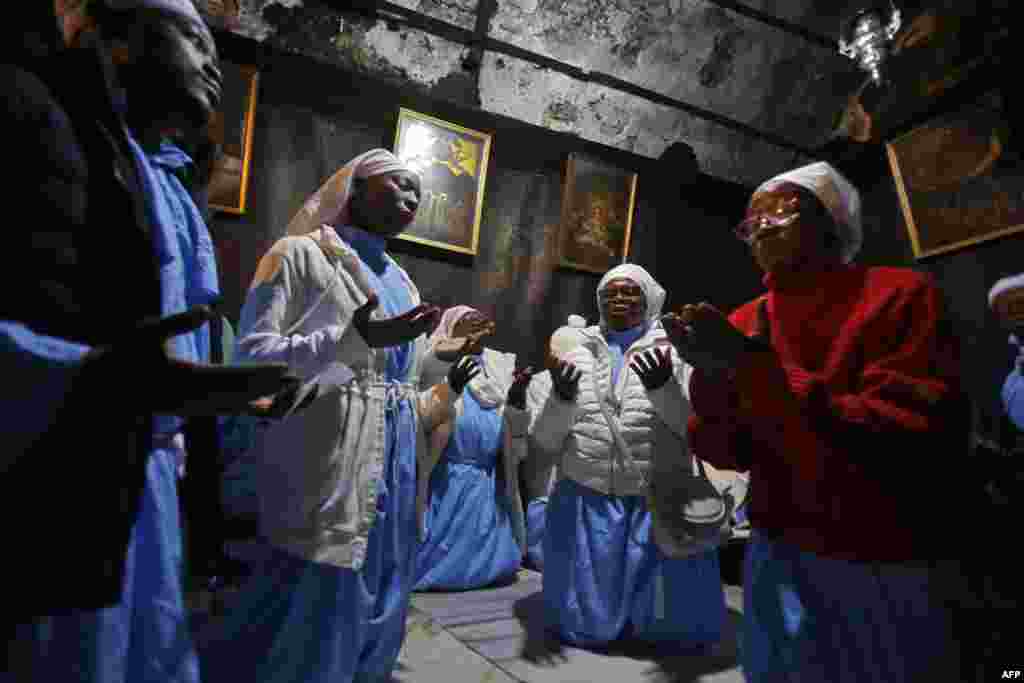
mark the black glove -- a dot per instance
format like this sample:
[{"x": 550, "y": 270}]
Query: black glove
[
  {"x": 566, "y": 381},
  {"x": 654, "y": 367},
  {"x": 462, "y": 372},
  {"x": 517, "y": 392}
]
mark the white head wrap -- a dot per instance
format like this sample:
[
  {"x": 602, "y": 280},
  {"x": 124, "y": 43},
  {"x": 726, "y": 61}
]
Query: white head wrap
[
  {"x": 654, "y": 294},
  {"x": 329, "y": 204},
  {"x": 1007, "y": 284},
  {"x": 489, "y": 387},
  {"x": 181, "y": 8},
  {"x": 449, "y": 319},
  {"x": 836, "y": 193},
  {"x": 567, "y": 337}
]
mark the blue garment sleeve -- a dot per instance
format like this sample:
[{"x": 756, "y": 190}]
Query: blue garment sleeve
[
  {"x": 1013, "y": 397},
  {"x": 38, "y": 371}
]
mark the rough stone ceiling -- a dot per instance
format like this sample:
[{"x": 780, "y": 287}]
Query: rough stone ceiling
[{"x": 694, "y": 51}]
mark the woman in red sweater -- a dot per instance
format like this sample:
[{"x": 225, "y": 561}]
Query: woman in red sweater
[{"x": 839, "y": 391}]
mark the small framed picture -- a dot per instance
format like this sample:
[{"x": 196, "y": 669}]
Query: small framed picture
[
  {"x": 597, "y": 214},
  {"x": 452, "y": 164},
  {"x": 957, "y": 182},
  {"x": 232, "y": 129}
]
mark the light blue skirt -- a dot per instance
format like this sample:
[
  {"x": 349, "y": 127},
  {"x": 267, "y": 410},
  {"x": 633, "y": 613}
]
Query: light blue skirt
[
  {"x": 297, "y": 621},
  {"x": 536, "y": 521},
  {"x": 145, "y": 637},
  {"x": 810, "y": 619},
  {"x": 469, "y": 542},
  {"x": 605, "y": 578}
]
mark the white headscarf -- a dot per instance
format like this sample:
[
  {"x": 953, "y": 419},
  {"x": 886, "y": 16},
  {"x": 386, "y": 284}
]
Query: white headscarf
[
  {"x": 449, "y": 319},
  {"x": 489, "y": 387},
  {"x": 181, "y": 8},
  {"x": 836, "y": 193},
  {"x": 654, "y": 294},
  {"x": 330, "y": 204},
  {"x": 1007, "y": 284},
  {"x": 568, "y": 337}
]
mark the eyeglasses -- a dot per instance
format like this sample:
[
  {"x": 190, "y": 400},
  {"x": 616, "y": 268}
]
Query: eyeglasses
[
  {"x": 750, "y": 225},
  {"x": 612, "y": 292}
]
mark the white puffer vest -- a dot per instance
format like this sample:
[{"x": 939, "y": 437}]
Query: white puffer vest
[{"x": 652, "y": 423}]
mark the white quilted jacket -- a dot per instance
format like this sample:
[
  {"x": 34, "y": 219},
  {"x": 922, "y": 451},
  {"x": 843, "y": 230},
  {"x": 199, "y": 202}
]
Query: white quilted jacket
[{"x": 653, "y": 424}]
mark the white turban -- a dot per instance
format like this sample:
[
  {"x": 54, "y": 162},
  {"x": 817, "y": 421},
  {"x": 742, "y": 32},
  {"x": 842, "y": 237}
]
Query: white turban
[
  {"x": 329, "y": 204},
  {"x": 654, "y": 294},
  {"x": 181, "y": 8},
  {"x": 836, "y": 193},
  {"x": 567, "y": 337},
  {"x": 1007, "y": 284}
]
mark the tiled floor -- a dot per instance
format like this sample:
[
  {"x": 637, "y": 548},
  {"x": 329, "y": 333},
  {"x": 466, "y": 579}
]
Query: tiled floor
[{"x": 497, "y": 636}]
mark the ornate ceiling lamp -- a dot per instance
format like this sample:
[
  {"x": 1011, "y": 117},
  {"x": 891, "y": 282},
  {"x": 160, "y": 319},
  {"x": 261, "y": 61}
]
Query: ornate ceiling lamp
[{"x": 867, "y": 38}]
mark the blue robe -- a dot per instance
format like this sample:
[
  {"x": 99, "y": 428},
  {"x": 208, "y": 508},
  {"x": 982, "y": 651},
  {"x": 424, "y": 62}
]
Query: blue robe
[
  {"x": 536, "y": 523},
  {"x": 297, "y": 621},
  {"x": 146, "y": 636},
  {"x": 811, "y": 618},
  {"x": 469, "y": 541},
  {"x": 605, "y": 578},
  {"x": 1013, "y": 388}
]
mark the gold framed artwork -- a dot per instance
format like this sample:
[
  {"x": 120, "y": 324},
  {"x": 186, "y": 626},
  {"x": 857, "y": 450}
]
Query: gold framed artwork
[
  {"x": 232, "y": 129},
  {"x": 452, "y": 164},
  {"x": 597, "y": 214},
  {"x": 956, "y": 184}
]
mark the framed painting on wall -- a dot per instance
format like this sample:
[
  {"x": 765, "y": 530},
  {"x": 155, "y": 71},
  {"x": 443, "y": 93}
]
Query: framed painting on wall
[
  {"x": 232, "y": 130},
  {"x": 956, "y": 181},
  {"x": 452, "y": 164},
  {"x": 597, "y": 214}
]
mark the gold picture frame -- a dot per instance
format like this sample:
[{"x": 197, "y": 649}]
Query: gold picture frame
[
  {"x": 452, "y": 163},
  {"x": 598, "y": 201},
  {"x": 232, "y": 129},
  {"x": 956, "y": 186}
]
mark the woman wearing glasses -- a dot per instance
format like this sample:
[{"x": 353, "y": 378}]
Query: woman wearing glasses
[
  {"x": 620, "y": 425},
  {"x": 836, "y": 389}
]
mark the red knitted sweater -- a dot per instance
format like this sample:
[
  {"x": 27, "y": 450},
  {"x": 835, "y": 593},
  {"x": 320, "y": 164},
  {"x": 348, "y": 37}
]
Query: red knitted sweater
[{"x": 852, "y": 427}]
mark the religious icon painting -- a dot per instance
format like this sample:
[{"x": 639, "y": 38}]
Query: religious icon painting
[
  {"x": 232, "y": 130},
  {"x": 452, "y": 164},
  {"x": 959, "y": 180},
  {"x": 597, "y": 214}
]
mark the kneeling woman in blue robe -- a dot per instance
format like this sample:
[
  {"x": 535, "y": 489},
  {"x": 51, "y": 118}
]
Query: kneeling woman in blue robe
[
  {"x": 337, "y": 481},
  {"x": 474, "y": 529},
  {"x": 605, "y": 577}
]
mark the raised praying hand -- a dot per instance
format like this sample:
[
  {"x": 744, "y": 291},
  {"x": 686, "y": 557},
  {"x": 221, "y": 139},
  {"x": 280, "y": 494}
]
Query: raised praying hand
[
  {"x": 462, "y": 372},
  {"x": 565, "y": 378},
  {"x": 706, "y": 339},
  {"x": 450, "y": 350},
  {"x": 394, "y": 331},
  {"x": 654, "y": 368}
]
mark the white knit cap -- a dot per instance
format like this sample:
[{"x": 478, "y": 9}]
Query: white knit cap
[
  {"x": 330, "y": 203},
  {"x": 182, "y": 8},
  {"x": 567, "y": 337},
  {"x": 654, "y": 294},
  {"x": 1007, "y": 284},
  {"x": 836, "y": 193}
]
